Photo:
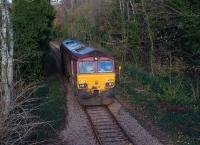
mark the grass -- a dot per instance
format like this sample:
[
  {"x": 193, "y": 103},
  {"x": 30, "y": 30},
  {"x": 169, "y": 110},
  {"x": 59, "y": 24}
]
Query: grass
[{"x": 169, "y": 103}]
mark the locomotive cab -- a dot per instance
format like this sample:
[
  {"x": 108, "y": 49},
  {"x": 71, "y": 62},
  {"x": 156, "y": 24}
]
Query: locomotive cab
[{"x": 95, "y": 76}]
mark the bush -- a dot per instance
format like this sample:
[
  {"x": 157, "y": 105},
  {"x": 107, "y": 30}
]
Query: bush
[
  {"x": 172, "y": 90},
  {"x": 33, "y": 26},
  {"x": 51, "y": 108}
]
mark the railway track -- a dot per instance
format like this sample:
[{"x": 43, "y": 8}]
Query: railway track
[{"x": 106, "y": 128}]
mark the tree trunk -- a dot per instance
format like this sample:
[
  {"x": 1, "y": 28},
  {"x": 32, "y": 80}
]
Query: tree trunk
[
  {"x": 150, "y": 34},
  {"x": 10, "y": 53},
  {"x": 7, "y": 45}
]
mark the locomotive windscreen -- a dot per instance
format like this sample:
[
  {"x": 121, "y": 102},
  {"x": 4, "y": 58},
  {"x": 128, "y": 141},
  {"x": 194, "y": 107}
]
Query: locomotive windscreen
[
  {"x": 86, "y": 67},
  {"x": 105, "y": 66}
]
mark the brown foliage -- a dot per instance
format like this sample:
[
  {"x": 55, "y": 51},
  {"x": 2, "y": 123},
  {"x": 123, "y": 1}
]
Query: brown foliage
[{"x": 16, "y": 126}]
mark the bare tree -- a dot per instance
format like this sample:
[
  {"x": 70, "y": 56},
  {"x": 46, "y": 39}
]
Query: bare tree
[
  {"x": 7, "y": 47},
  {"x": 150, "y": 34}
]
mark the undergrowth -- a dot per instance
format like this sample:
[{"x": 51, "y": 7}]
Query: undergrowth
[
  {"x": 171, "y": 102},
  {"x": 51, "y": 108}
]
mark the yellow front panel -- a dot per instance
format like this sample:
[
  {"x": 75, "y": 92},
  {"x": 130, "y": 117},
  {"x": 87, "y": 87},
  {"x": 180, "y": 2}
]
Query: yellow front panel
[{"x": 95, "y": 81}]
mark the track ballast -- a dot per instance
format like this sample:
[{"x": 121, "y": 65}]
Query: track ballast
[{"x": 105, "y": 127}]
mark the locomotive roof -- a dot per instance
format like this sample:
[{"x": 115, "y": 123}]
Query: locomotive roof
[{"x": 80, "y": 50}]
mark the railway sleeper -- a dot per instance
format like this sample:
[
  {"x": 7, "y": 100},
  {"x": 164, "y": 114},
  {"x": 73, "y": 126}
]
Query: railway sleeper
[
  {"x": 108, "y": 131},
  {"x": 117, "y": 140},
  {"x": 107, "y": 128},
  {"x": 101, "y": 118},
  {"x": 99, "y": 113},
  {"x": 102, "y": 122},
  {"x": 112, "y": 136}
]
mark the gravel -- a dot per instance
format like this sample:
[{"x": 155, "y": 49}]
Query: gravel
[
  {"x": 135, "y": 131},
  {"x": 77, "y": 130}
]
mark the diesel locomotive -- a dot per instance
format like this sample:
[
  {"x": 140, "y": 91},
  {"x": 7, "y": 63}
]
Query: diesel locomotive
[{"x": 90, "y": 71}]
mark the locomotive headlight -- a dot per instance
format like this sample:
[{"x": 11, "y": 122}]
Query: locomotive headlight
[
  {"x": 109, "y": 84},
  {"x": 83, "y": 85}
]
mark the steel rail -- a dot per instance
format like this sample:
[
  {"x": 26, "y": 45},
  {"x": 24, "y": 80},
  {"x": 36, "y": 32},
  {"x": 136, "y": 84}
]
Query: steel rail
[{"x": 105, "y": 126}]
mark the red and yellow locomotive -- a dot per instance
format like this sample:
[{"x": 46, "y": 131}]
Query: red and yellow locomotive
[{"x": 91, "y": 72}]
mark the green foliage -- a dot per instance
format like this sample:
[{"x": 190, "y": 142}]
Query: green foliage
[
  {"x": 186, "y": 124},
  {"x": 187, "y": 7},
  {"x": 160, "y": 98},
  {"x": 51, "y": 108},
  {"x": 174, "y": 90},
  {"x": 32, "y": 22},
  {"x": 188, "y": 25}
]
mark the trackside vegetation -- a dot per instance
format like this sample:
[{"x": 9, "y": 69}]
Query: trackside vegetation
[
  {"x": 157, "y": 44},
  {"x": 36, "y": 109},
  {"x": 172, "y": 104},
  {"x": 51, "y": 109},
  {"x": 33, "y": 27}
]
